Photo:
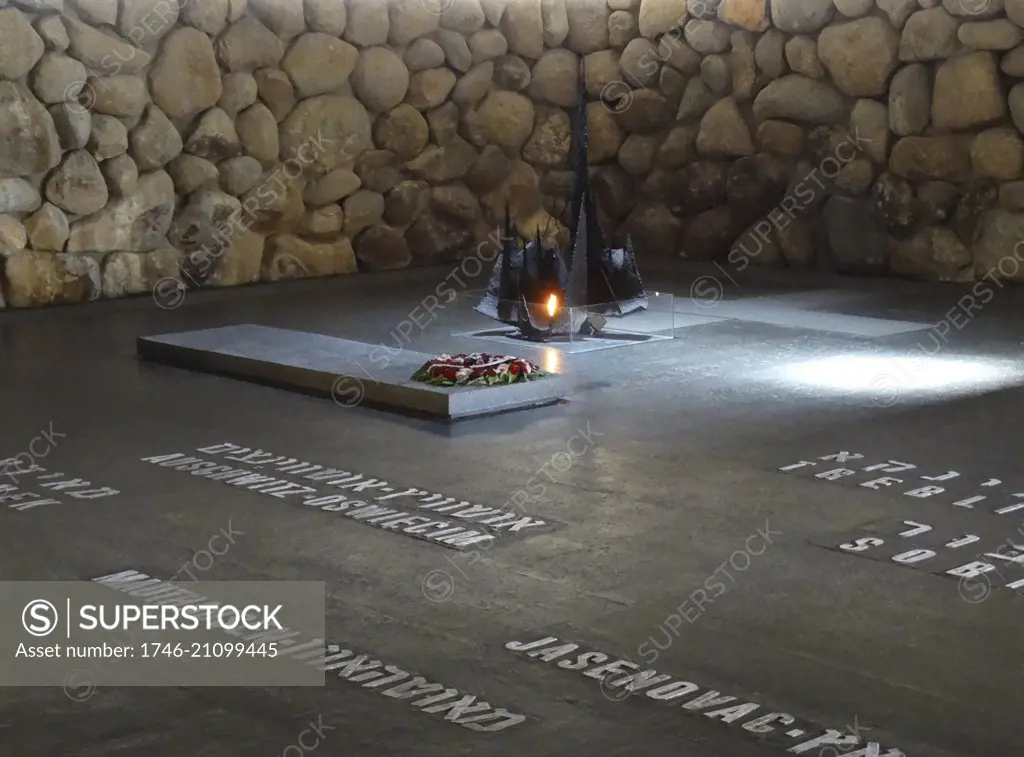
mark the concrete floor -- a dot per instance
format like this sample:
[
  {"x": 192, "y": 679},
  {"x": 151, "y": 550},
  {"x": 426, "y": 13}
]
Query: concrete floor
[{"x": 681, "y": 474}]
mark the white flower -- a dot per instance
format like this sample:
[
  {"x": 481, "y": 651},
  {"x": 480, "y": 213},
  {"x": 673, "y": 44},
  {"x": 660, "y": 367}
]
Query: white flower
[
  {"x": 462, "y": 374},
  {"x": 503, "y": 368}
]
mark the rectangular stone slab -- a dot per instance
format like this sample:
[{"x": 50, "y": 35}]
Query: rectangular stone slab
[{"x": 338, "y": 368}]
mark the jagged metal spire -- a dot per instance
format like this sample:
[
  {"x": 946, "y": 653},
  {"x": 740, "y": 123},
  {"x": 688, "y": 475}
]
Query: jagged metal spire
[
  {"x": 578, "y": 237},
  {"x": 508, "y": 287},
  {"x": 584, "y": 275},
  {"x": 580, "y": 137}
]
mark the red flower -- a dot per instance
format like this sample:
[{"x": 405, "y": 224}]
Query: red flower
[{"x": 473, "y": 366}]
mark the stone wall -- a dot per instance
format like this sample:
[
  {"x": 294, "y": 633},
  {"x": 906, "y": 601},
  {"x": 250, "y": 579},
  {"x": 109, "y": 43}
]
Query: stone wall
[{"x": 224, "y": 142}]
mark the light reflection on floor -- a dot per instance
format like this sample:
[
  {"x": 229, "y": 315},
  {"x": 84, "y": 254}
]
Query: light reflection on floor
[
  {"x": 551, "y": 361},
  {"x": 887, "y": 378}
]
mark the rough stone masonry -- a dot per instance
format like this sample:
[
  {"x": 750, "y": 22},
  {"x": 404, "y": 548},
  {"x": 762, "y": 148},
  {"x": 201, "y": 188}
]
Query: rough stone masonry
[{"x": 224, "y": 142}]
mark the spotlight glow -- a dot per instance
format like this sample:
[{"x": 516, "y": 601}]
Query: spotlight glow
[{"x": 901, "y": 375}]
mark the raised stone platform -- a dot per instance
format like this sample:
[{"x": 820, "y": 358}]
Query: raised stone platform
[{"x": 341, "y": 369}]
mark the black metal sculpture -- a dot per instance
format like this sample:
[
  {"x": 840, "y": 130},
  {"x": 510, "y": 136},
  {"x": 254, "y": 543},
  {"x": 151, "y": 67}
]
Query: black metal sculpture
[{"x": 546, "y": 292}]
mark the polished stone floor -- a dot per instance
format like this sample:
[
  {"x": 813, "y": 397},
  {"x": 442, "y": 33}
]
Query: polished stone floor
[{"x": 671, "y": 535}]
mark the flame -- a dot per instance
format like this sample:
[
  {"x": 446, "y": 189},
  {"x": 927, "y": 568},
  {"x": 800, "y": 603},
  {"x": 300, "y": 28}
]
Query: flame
[{"x": 552, "y": 305}]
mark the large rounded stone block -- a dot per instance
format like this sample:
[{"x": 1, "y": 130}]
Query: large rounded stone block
[
  {"x": 28, "y": 138},
  {"x": 57, "y": 78},
  {"x": 646, "y": 112},
  {"x": 998, "y": 154},
  {"x": 910, "y": 100},
  {"x": 723, "y": 132},
  {"x": 289, "y": 257},
  {"x": 36, "y": 279},
  {"x": 47, "y": 228},
  {"x": 659, "y": 16},
  {"x": 523, "y": 27},
  {"x": 465, "y": 17},
  {"x": 801, "y": 16},
  {"x": 751, "y": 15},
  {"x": 154, "y": 141},
  {"x": 21, "y": 46},
  {"x": 248, "y": 45},
  {"x": 138, "y": 222},
  {"x": 411, "y": 19},
  {"x": 555, "y": 78},
  {"x": 932, "y": 254},
  {"x": 929, "y": 34},
  {"x": 655, "y": 231},
  {"x": 506, "y": 120},
  {"x": 798, "y": 98},
  {"x": 333, "y": 130},
  {"x": 210, "y": 16},
  {"x": 18, "y": 196},
  {"x": 286, "y": 18},
  {"x": 318, "y": 63},
  {"x": 257, "y": 132},
  {"x": 855, "y": 242},
  {"x": 381, "y": 248},
  {"x": 429, "y": 89},
  {"x": 588, "y": 26},
  {"x": 185, "y": 79},
  {"x": 380, "y": 79},
  {"x": 860, "y": 55},
  {"x": 551, "y": 140},
  {"x": 945, "y": 158},
  {"x": 327, "y": 16},
  {"x": 998, "y": 251},
  {"x": 146, "y": 21},
  {"x": 368, "y": 23},
  {"x": 403, "y": 131},
  {"x": 967, "y": 93}
]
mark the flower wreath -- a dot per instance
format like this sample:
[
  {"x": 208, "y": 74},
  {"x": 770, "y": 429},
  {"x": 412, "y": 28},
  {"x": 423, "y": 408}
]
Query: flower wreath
[{"x": 476, "y": 369}]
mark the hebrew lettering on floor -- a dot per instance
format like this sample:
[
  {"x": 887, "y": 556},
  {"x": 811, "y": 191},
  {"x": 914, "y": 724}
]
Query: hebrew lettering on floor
[
  {"x": 987, "y": 495},
  {"x": 30, "y": 486},
  {"x": 619, "y": 678},
  {"x": 451, "y": 522},
  {"x": 971, "y": 558},
  {"x": 389, "y": 681}
]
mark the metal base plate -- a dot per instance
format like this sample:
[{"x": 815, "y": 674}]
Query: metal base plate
[{"x": 603, "y": 340}]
